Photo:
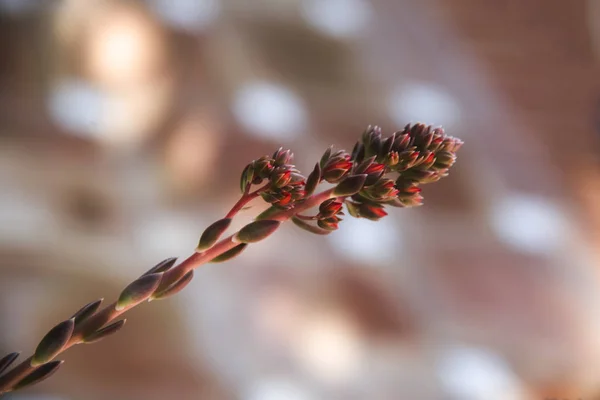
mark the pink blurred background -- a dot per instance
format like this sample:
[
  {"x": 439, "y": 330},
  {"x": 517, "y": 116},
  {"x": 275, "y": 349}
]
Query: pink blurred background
[{"x": 124, "y": 126}]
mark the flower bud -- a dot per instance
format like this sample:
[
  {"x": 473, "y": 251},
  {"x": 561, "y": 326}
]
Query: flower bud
[
  {"x": 282, "y": 157},
  {"x": 247, "y": 177},
  {"x": 401, "y": 142},
  {"x": 329, "y": 208},
  {"x": 350, "y": 185},
  {"x": 383, "y": 190},
  {"x": 444, "y": 159},
  {"x": 263, "y": 167},
  {"x": 358, "y": 152},
  {"x": 337, "y": 168},
  {"x": 372, "y": 141},
  {"x": 257, "y": 231},
  {"x": 326, "y": 156},
  {"x": 280, "y": 177},
  {"x": 313, "y": 180},
  {"x": 373, "y": 212},
  {"x": 408, "y": 158},
  {"x": 391, "y": 159},
  {"x": 329, "y": 224}
]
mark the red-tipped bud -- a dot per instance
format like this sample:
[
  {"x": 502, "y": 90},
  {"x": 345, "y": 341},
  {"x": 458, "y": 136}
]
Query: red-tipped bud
[
  {"x": 282, "y": 157},
  {"x": 392, "y": 158},
  {"x": 263, "y": 167},
  {"x": 371, "y": 211},
  {"x": 383, "y": 190},
  {"x": 281, "y": 177},
  {"x": 402, "y": 142},
  {"x": 329, "y": 224},
  {"x": 444, "y": 160},
  {"x": 329, "y": 208},
  {"x": 408, "y": 158}
]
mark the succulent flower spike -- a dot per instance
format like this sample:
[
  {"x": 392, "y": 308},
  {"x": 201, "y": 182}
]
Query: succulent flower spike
[{"x": 380, "y": 171}]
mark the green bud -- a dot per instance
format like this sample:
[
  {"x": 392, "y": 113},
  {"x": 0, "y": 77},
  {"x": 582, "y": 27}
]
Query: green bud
[
  {"x": 329, "y": 224},
  {"x": 247, "y": 176},
  {"x": 325, "y": 157},
  {"x": 174, "y": 288},
  {"x": 268, "y": 213},
  {"x": 162, "y": 266},
  {"x": 350, "y": 185},
  {"x": 7, "y": 361},
  {"x": 213, "y": 233},
  {"x": 39, "y": 374},
  {"x": 138, "y": 291},
  {"x": 104, "y": 332},
  {"x": 53, "y": 343},
  {"x": 256, "y": 231},
  {"x": 86, "y": 311},
  {"x": 313, "y": 180},
  {"x": 353, "y": 209},
  {"x": 282, "y": 157},
  {"x": 229, "y": 254},
  {"x": 308, "y": 227}
]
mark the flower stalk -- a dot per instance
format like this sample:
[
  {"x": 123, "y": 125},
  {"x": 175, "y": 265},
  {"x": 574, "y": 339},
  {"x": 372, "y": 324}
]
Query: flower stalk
[{"x": 378, "y": 173}]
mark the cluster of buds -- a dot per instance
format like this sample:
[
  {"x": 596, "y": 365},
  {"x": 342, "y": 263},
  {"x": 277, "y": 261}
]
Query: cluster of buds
[
  {"x": 285, "y": 183},
  {"x": 329, "y": 214},
  {"x": 379, "y": 172},
  {"x": 417, "y": 155}
]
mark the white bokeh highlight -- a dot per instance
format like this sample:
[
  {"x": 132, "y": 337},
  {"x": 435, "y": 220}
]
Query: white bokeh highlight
[
  {"x": 341, "y": 19},
  {"x": 270, "y": 111},
  {"x": 279, "y": 389},
  {"x": 423, "y": 102},
  {"x": 529, "y": 223},
  {"x": 369, "y": 242},
  {"x": 187, "y": 15},
  {"x": 475, "y": 374},
  {"x": 78, "y": 107}
]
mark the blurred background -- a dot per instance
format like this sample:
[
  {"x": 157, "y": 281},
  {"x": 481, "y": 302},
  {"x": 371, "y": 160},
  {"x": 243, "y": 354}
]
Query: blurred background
[{"x": 124, "y": 126}]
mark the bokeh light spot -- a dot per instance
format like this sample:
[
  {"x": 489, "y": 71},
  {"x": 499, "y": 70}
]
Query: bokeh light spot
[
  {"x": 279, "y": 389},
  {"x": 473, "y": 374},
  {"x": 369, "y": 242},
  {"x": 270, "y": 111},
  {"x": 187, "y": 15},
  {"x": 529, "y": 223},
  {"x": 423, "y": 102},
  {"x": 338, "y": 18}
]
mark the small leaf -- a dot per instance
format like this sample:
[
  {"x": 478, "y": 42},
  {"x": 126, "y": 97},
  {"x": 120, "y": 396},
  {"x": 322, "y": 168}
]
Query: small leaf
[
  {"x": 229, "y": 254},
  {"x": 308, "y": 227},
  {"x": 349, "y": 186},
  {"x": 174, "y": 288},
  {"x": 213, "y": 233},
  {"x": 7, "y": 360},
  {"x": 247, "y": 177},
  {"x": 313, "y": 180},
  {"x": 138, "y": 291},
  {"x": 104, "y": 332},
  {"x": 86, "y": 311},
  {"x": 257, "y": 231},
  {"x": 268, "y": 213},
  {"x": 353, "y": 209},
  {"x": 52, "y": 344},
  {"x": 39, "y": 374},
  {"x": 162, "y": 266},
  {"x": 325, "y": 157}
]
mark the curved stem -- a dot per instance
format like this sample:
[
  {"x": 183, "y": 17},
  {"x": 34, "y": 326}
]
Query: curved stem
[
  {"x": 109, "y": 313},
  {"x": 245, "y": 199}
]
